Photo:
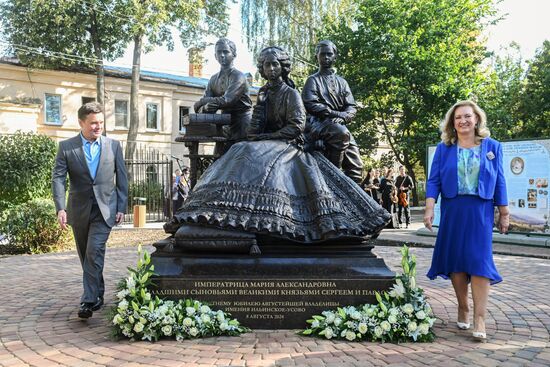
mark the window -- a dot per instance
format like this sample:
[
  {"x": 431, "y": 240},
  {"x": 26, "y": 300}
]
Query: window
[
  {"x": 184, "y": 111},
  {"x": 52, "y": 108},
  {"x": 121, "y": 113},
  {"x": 87, "y": 100},
  {"x": 152, "y": 116}
]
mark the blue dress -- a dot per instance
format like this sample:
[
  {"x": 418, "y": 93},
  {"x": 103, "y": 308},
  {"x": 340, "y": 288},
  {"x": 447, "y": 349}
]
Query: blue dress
[{"x": 465, "y": 236}]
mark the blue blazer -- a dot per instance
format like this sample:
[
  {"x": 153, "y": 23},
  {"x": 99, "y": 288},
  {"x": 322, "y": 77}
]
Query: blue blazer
[{"x": 444, "y": 173}]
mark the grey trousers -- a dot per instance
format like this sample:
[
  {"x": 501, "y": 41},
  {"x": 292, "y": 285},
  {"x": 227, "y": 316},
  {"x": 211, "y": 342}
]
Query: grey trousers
[{"x": 90, "y": 241}]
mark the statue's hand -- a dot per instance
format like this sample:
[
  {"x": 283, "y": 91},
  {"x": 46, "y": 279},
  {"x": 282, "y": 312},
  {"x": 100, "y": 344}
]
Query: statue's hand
[
  {"x": 343, "y": 116},
  {"x": 197, "y": 106},
  {"x": 210, "y": 108}
]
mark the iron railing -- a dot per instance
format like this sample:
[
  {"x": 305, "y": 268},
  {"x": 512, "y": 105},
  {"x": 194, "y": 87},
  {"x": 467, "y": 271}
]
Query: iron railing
[{"x": 149, "y": 184}]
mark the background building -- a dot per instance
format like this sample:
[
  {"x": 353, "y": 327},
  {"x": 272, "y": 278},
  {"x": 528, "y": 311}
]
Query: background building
[{"x": 46, "y": 102}]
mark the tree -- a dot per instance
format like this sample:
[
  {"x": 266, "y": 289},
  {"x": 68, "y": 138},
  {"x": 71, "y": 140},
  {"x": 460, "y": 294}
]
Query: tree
[
  {"x": 500, "y": 94},
  {"x": 151, "y": 24},
  {"x": 292, "y": 24},
  {"x": 64, "y": 34},
  {"x": 407, "y": 62},
  {"x": 535, "y": 100}
]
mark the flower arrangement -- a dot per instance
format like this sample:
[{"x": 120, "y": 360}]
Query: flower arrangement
[
  {"x": 140, "y": 316},
  {"x": 402, "y": 314}
]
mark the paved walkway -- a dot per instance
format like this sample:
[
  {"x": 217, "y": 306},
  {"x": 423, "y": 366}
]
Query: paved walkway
[{"x": 39, "y": 324}]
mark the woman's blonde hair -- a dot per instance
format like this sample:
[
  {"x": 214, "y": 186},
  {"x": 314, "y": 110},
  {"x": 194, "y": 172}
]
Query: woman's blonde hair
[{"x": 448, "y": 132}]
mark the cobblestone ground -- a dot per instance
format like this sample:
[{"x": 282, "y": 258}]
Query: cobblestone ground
[{"x": 39, "y": 324}]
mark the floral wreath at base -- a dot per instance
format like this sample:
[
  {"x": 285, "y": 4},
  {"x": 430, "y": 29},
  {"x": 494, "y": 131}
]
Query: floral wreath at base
[
  {"x": 140, "y": 316},
  {"x": 401, "y": 315}
]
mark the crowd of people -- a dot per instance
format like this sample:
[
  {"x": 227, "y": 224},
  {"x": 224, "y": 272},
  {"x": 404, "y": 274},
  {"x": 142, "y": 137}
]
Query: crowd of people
[{"x": 393, "y": 193}]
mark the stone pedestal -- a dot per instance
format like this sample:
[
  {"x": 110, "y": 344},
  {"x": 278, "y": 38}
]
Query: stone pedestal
[{"x": 279, "y": 289}]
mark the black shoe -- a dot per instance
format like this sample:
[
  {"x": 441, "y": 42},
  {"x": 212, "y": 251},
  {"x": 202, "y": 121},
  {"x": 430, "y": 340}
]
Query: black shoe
[
  {"x": 85, "y": 310},
  {"x": 98, "y": 303}
]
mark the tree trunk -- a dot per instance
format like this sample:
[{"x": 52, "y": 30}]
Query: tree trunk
[
  {"x": 99, "y": 67},
  {"x": 415, "y": 188},
  {"x": 100, "y": 81},
  {"x": 134, "y": 99}
]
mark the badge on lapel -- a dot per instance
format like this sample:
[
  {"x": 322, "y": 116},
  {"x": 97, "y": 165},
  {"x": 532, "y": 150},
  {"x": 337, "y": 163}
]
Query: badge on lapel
[{"x": 490, "y": 156}]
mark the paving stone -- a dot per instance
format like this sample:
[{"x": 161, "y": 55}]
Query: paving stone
[{"x": 39, "y": 325}]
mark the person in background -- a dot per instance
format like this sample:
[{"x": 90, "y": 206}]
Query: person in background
[
  {"x": 389, "y": 197},
  {"x": 98, "y": 197},
  {"x": 184, "y": 185},
  {"x": 168, "y": 197},
  {"x": 376, "y": 185},
  {"x": 366, "y": 184},
  {"x": 467, "y": 171},
  {"x": 404, "y": 185}
]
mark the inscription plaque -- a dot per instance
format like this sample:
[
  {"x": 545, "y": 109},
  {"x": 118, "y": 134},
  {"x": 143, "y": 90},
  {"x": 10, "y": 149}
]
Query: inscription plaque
[
  {"x": 284, "y": 303},
  {"x": 272, "y": 292}
]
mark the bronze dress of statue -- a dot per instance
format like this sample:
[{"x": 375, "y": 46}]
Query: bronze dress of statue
[
  {"x": 228, "y": 91},
  {"x": 269, "y": 185},
  {"x": 330, "y": 104}
]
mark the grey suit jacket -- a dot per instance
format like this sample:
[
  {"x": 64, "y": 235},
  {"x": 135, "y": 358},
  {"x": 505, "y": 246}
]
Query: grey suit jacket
[{"x": 110, "y": 186}]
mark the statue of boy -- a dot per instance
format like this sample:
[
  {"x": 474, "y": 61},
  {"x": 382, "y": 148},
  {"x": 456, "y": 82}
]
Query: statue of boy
[
  {"x": 228, "y": 91},
  {"x": 330, "y": 104}
]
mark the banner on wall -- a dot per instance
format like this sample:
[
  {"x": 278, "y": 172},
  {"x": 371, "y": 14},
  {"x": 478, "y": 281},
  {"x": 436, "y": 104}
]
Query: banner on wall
[{"x": 527, "y": 173}]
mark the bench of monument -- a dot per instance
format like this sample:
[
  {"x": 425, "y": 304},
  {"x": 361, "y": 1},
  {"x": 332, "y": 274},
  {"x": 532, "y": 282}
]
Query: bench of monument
[{"x": 203, "y": 128}]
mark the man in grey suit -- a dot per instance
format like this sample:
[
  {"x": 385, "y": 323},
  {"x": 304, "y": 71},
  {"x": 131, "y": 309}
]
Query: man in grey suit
[{"x": 98, "y": 195}]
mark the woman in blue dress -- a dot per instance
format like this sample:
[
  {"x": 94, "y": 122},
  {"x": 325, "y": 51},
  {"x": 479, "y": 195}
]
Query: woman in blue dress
[
  {"x": 467, "y": 171},
  {"x": 271, "y": 186}
]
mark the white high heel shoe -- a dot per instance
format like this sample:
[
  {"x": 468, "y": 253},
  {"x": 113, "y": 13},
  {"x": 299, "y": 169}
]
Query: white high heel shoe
[
  {"x": 463, "y": 325},
  {"x": 480, "y": 336}
]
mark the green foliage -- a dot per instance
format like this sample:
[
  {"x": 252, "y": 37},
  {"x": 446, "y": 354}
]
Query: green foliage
[
  {"x": 151, "y": 190},
  {"x": 59, "y": 33},
  {"x": 407, "y": 62},
  {"x": 401, "y": 315},
  {"x": 535, "y": 99},
  {"x": 517, "y": 98},
  {"x": 140, "y": 316},
  {"x": 26, "y": 161},
  {"x": 293, "y": 25},
  {"x": 500, "y": 95},
  {"x": 32, "y": 227},
  {"x": 154, "y": 20}
]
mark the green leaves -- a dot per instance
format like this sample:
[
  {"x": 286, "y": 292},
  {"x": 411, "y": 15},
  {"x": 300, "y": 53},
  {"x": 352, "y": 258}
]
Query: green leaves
[
  {"x": 407, "y": 62},
  {"x": 26, "y": 161},
  {"x": 32, "y": 227},
  {"x": 58, "y": 33}
]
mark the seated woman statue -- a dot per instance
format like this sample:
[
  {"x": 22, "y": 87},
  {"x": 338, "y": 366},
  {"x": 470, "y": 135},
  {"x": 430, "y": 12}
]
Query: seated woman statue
[{"x": 269, "y": 185}]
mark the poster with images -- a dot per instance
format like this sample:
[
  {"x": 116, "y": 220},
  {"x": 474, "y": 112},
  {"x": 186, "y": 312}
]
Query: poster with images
[{"x": 527, "y": 173}]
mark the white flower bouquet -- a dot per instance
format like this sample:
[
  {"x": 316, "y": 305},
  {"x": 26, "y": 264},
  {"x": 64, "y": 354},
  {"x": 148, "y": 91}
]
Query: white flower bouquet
[
  {"x": 140, "y": 316},
  {"x": 402, "y": 314}
]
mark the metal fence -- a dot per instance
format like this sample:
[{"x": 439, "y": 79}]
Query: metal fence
[{"x": 149, "y": 184}]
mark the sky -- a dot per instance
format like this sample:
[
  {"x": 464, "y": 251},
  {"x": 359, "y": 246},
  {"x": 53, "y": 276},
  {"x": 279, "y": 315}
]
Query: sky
[{"x": 525, "y": 22}]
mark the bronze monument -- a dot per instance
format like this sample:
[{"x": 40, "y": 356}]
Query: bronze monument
[{"x": 270, "y": 232}]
